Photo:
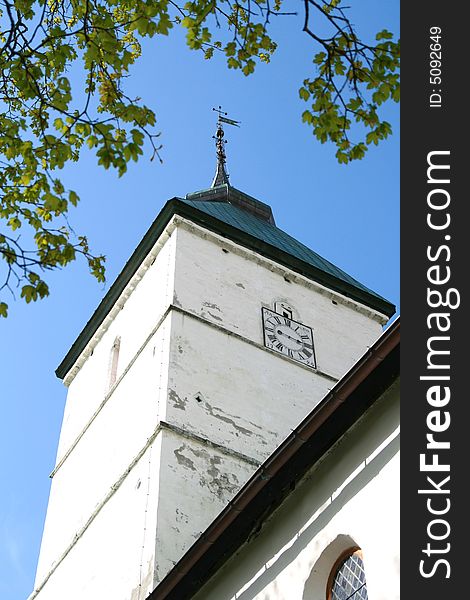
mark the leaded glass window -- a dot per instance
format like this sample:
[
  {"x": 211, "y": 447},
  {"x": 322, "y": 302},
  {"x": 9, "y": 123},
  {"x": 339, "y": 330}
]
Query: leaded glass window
[{"x": 349, "y": 582}]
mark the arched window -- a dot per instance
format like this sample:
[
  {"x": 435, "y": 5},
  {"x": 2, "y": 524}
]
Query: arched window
[
  {"x": 113, "y": 362},
  {"x": 347, "y": 580}
]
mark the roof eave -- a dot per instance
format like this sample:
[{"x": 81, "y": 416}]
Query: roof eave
[
  {"x": 177, "y": 206},
  {"x": 111, "y": 297},
  {"x": 371, "y": 300}
]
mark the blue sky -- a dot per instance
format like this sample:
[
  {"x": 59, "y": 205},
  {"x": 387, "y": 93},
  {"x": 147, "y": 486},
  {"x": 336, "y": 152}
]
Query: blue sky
[{"x": 348, "y": 214}]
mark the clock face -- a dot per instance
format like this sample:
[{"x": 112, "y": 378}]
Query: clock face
[{"x": 288, "y": 337}]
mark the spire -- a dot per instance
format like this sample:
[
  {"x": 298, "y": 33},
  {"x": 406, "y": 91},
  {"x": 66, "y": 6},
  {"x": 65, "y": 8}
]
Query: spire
[{"x": 221, "y": 175}]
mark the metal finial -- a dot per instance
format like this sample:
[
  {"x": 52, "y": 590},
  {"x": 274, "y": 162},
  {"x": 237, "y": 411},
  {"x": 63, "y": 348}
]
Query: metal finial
[{"x": 221, "y": 175}]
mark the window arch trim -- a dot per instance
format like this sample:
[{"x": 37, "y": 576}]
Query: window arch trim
[{"x": 337, "y": 564}]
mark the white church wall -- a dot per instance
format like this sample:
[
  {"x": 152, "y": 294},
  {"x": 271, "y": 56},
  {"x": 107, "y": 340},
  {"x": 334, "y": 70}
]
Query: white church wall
[
  {"x": 197, "y": 481},
  {"x": 194, "y": 329},
  {"x": 228, "y": 285},
  {"x": 236, "y": 394},
  {"x": 139, "y": 314},
  {"x": 106, "y": 450},
  {"x": 225, "y": 386},
  {"x": 114, "y": 557},
  {"x": 351, "y": 498}
]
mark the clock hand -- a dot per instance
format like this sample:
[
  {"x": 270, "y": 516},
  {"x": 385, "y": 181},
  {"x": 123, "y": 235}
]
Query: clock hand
[{"x": 279, "y": 332}]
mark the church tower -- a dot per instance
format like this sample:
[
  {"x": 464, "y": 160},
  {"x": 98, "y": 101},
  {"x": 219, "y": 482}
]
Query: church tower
[{"x": 217, "y": 338}]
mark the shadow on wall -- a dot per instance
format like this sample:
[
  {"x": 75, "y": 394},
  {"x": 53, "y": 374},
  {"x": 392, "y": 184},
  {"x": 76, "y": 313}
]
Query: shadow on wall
[{"x": 264, "y": 575}]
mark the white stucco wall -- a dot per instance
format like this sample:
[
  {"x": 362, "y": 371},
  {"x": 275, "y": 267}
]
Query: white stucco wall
[
  {"x": 227, "y": 285},
  {"x": 133, "y": 323},
  {"x": 197, "y": 481},
  {"x": 350, "y": 498},
  {"x": 234, "y": 393},
  {"x": 193, "y": 381},
  {"x": 114, "y": 557},
  {"x": 103, "y": 432}
]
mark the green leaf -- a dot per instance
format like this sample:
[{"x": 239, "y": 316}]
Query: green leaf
[
  {"x": 384, "y": 35},
  {"x": 304, "y": 93},
  {"x": 14, "y": 223},
  {"x": 92, "y": 141},
  {"x": 29, "y": 293},
  {"x": 319, "y": 58},
  {"x": 46, "y": 123},
  {"x": 342, "y": 157},
  {"x": 51, "y": 202}
]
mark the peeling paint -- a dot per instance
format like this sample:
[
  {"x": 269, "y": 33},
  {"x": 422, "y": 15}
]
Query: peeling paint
[
  {"x": 211, "y": 410},
  {"x": 183, "y": 460},
  {"x": 227, "y": 451},
  {"x": 200, "y": 453},
  {"x": 223, "y": 485},
  {"x": 178, "y": 402},
  {"x": 211, "y": 305},
  {"x": 262, "y": 429},
  {"x": 181, "y": 517},
  {"x": 221, "y": 482},
  {"x": 214, "y": 316},
  {"x": 264, "y": 436}
]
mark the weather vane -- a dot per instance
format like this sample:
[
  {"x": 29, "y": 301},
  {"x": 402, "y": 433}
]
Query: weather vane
[{"x": 221, "y": 175}]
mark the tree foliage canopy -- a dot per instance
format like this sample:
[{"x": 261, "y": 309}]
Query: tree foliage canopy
[{"x": 47, "y": 117}]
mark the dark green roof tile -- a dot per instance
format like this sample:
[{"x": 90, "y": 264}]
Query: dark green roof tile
[{"x": 272, "y": 235}]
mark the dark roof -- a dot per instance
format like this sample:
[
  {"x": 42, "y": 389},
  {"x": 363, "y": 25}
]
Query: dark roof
[
  {"x": 267, "y": 232},
  {"x": 275, "y": 479},
  {"x": 228, "y": 194},
  {"x": 246, "y": 221}
]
